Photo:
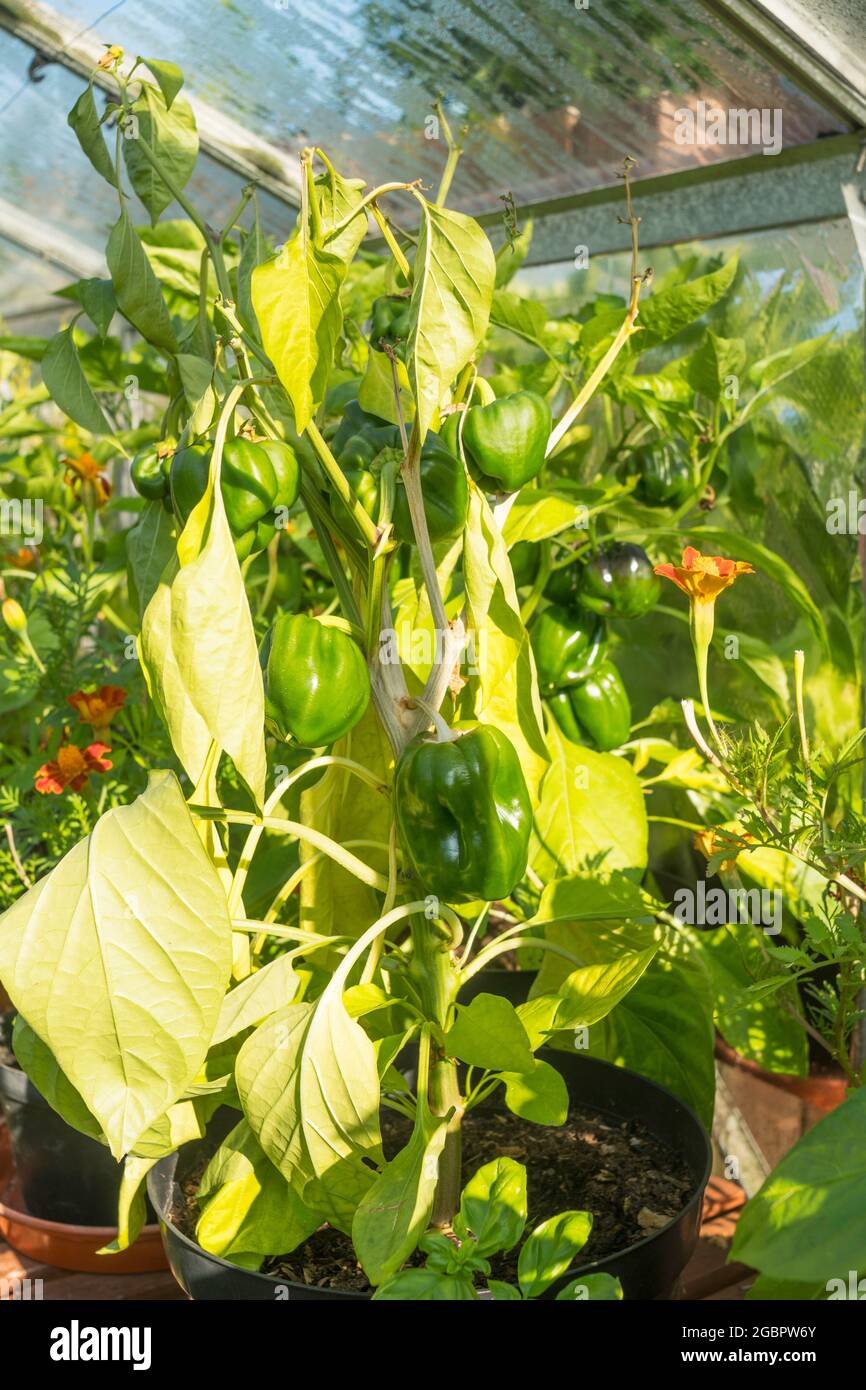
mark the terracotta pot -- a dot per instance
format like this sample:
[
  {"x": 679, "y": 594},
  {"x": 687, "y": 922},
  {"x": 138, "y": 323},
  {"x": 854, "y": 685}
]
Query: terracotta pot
[
  {"x": 68, "y": 1247},
  {"x": 824, "y": 1092}
]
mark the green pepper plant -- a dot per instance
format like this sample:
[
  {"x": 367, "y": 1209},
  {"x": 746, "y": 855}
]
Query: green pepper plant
[{"x": 381, "y": 745}]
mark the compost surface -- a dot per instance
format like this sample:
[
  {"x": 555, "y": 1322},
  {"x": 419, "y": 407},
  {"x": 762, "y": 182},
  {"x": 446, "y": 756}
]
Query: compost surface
[{"x": 631, "y": 1183}]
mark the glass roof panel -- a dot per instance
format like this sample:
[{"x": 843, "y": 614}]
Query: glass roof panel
[{"x": 556, "y": 94}]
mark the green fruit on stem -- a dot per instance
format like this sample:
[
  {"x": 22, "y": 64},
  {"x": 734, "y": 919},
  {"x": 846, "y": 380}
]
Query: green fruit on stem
[
  {"x": 597, "y": 711},
  {"x": 504, "y": 442},
  {"x": 567, "y": 643},
  {"x": 317, "y": 685},
  {"x": 666, "y": 475},
  {"x": 619, "y": 582},
  {"x": 464, "y": 814},
  {"x": 149, "y": 472}
]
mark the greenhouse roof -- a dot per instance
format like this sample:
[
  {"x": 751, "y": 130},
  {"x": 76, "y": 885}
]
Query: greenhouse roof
[{"x": 555, "y": 94}]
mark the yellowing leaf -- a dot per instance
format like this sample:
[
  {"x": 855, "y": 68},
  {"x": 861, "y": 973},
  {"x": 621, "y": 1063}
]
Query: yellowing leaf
[
  {"x": 454, "y": 274},
  {"x": 199, "y": 654},
  {"x": 119, "y": 958}
]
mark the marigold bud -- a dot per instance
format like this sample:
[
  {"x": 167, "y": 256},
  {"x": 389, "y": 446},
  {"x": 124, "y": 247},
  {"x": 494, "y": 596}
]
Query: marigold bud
[{"x": 14, "y": 616}]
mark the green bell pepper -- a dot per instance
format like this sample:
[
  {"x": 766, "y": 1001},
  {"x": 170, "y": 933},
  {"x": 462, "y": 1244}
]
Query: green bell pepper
[
  {"x": 600, "y": 706},
  {"x": 390, "y": 323},
  {"x": 255, "y": 478},
  {"x": 356, "y": 421},
  {"x": 666, "y": 476},
  {"x": 503, "y": 442},
  {"x": 443, "y": 483},
  {"x": 149, "y": 472},
  {"x": 567, "y": 643},
  {"x": 464, "y": 814},
  {"x": 618, "y": 581},
  {"x": 317, "y": 685}
]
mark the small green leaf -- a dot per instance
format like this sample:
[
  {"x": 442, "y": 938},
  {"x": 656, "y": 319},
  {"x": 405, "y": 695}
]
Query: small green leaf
[
  {"x": 493, "y": 1206},
  {"x": 550, "y": 1249},
  {"x": 511, "y": 255},
  {"x": 504, "y": 1293},
  {"x": 131, "y": 1205},
  {"x": 539, "y": 1095},
  {"x": 150, "y": 546},
  {"x": 136, "y": 288},
  {"x": 595, "y": 1288},
  {"x": 488, "y": 1033},
  {"x": 196, "y": 376},
  {"x": 64, "y": 377},
  {"x": 666, "y": 313},
  {"x": 428, "y": 1286},
  {"x": 96, "y": 298},
  {"x": 84, "y": 120},
  {"x": 393, "y": 1214},
  {"x": 168, "y": 75},
  {"x": 256, "y": 997}
]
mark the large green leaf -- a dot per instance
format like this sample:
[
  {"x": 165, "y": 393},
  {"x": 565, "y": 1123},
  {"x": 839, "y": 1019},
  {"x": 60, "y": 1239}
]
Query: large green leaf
[
  {"x": 664, "y": 1027},
  {"x": 136, "y": 288},
  {"x": 297, "y": 304},
  {"x": 668, "y": 311},
  {"x": 199, "y": 653},
  {"x": 454, "y": 273},
  {"x": 591, "y": 809},
  {"x": 96, "y": 298},
  {"x": 171, "y": 134},
  {"x": 806, "y": 1222},
  {"x": 248, "y": 1208},
  {"x": 757, "y": 1026},
  {"x": 119, "y": 958},
  {"x": 34, "y": 1058},
  {"x": 309, "y": 1085},
  {"x": 394, "y": 1212},
  {"x": 64, "y": 377}
]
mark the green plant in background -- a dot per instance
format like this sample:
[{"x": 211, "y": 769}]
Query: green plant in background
[{"x": 355, "y": 522}]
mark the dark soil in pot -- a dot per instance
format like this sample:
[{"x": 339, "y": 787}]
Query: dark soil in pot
[{"x": 630, "y": 1153}]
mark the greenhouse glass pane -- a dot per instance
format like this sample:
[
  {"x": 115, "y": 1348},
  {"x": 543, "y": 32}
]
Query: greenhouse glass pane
[
  {"x": 555, "y": 94},
  {"x": 46, "y": 177}
]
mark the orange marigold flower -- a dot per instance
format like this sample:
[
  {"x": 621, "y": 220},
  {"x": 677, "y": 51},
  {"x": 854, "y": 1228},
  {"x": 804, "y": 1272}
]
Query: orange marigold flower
[
  {"x": 85, "y": 470},
  {"x": 71, "y": 768},
  {"x": 704, "y": 577},
  {"x": 97, "y": 707},
  {"x": 23, "y": 559}
]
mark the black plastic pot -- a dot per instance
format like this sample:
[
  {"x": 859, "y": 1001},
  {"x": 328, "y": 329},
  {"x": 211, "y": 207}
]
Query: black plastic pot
[
  {"x": 63, "y": 1175},
  {"x": 514, "y": 985},
  {"x": 647, "y": 1270}
]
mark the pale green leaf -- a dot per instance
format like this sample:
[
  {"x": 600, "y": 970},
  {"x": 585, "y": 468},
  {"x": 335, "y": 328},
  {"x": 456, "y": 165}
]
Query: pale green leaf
[
  {"x": 454, "y": 273},
  {"x": 550, "y": 1249},
  {"x": 493, "y": 1206},
  {"x": 488, "y": 1033},
  {"x": 539, "y": 1095},
  {"x": 591, "y": 809},
  {"x": 84, "y": 120},
  {"x": 119, "y": 959},
  {"x": 198, "y": 623},
  {"x": 297, "y": 304},
  {"x": 256, "y": 997}
]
